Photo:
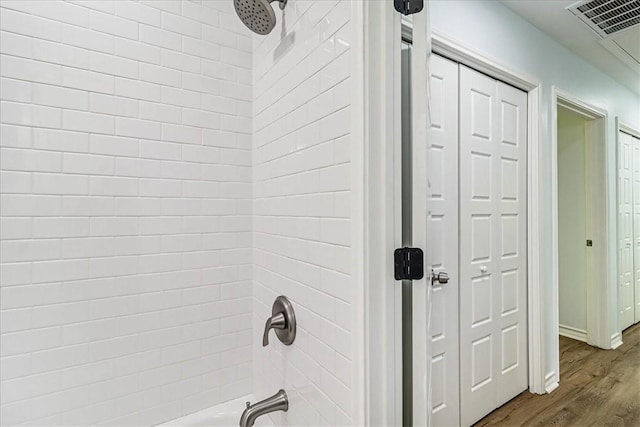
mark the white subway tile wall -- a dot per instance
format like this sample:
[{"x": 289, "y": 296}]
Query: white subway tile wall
[
  {"x": 301, "y": 208},
  {"x": 126, "y": 210}
]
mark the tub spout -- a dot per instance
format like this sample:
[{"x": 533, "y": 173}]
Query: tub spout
[{"x": 277, "y": 402}]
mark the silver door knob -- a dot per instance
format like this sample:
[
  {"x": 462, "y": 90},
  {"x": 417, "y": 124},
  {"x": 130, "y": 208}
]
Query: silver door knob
[
  {"x": 483, "y": 268},
  {"x": 440, "y": 277}
]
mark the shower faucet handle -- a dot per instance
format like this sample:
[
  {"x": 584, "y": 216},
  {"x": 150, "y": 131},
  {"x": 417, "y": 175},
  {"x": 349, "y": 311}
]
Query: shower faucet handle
[
  {"x": 282, "y": 320},
  {"x": 274, "y": 322}
]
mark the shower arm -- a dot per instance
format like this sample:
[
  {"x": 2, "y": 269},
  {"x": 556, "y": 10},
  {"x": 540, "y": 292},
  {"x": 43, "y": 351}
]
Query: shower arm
[{"x": 282, "y": 3}]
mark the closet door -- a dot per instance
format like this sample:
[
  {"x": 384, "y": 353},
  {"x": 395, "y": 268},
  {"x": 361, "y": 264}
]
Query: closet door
[
  {"x": 629, "y": 229},
  {"x": 635, "y": 292},
  {"x": 478, "y": 249},
  {"x": 442, "y": 227},
  {"x": 493, "y": 342},
  {"x": 626, "y": 189},
  {"x": 512, "y": 369}
]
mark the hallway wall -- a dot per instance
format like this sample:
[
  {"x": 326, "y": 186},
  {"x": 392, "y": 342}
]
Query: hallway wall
[{"x": 126, "y": 187}]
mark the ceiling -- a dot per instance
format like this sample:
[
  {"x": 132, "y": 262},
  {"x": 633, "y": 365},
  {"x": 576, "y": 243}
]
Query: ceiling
[{"x": 617, "y": 55}]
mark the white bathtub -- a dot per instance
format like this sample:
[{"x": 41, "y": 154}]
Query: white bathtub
[{"x": 225, "y": 414}]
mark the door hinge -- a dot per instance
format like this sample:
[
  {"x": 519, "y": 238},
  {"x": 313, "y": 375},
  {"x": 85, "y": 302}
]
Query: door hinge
[
  {"x": 408, "y": 7},
  {"x": 408, "y": 264}
]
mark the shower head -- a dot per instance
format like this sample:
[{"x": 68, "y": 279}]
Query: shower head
[{"x": 257, "y": 15}]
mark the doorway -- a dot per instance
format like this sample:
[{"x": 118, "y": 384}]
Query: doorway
[
  {"x": 478, "y": 236},
  {"x": 581, "y": 221},
  {"x": 573, "y": 240},
  {"x": 382, "y": 130}
]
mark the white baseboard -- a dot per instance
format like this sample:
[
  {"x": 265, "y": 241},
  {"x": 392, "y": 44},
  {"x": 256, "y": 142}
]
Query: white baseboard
[
  {"x": 573, "y": 333},
  {"x": 550, "y": 382},
  {"x": 616, "y": 340}
]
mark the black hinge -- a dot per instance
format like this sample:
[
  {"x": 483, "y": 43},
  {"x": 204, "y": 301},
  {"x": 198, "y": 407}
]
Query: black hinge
[
  {"x": 408, "y": 7},
  {"x": 408, "y": 264}
]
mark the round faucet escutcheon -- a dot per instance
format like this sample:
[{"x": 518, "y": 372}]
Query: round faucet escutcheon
[{"x": 282, "y": 320}]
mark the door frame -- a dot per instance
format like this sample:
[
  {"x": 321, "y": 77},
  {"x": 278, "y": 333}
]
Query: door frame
[
  {"x": 451, "y": 49},
  {"x": 623, "y": 127},
  {"x": 598, "y": 221},
  {"x": 377, "y": 219},
  {"x": 379, "y": 101},
  {"x": 447, "y": 47},
  {"x": 620, "y": 127}
]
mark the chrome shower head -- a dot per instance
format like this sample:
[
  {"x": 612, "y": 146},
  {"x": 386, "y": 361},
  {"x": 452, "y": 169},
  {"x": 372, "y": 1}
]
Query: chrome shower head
[{"x": 257, "y": 15}]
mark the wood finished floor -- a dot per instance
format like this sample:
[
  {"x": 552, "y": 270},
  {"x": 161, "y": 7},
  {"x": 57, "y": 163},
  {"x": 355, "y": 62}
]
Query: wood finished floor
[{"x": 597, "y": 388}]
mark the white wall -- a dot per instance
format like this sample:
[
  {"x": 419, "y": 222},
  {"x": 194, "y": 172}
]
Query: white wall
[
  {"x": 302, "y": 210},
  {"x": 572, "y": 221},
  {"x": 494, "y": 31},
  {"x": 126, "y": 186}
]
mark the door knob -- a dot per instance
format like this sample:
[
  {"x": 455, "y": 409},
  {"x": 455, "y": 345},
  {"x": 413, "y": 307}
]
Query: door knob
[
  {"x": 440, "y": 277},
  {"x": 483, "y": 268},
  {"x": 282, "y": 320}
]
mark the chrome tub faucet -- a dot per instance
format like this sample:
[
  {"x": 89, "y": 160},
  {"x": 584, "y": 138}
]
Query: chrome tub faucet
[{"x": 277, "y": 402}]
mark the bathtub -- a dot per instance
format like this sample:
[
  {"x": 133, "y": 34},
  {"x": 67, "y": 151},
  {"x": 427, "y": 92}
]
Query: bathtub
[{"x": 226, "y": 414}]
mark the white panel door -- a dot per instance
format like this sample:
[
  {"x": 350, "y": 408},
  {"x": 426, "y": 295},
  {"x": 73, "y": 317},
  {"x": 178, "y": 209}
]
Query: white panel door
[
  {"x": 442, "y": 226},
  {"x": 478, "y": 249},
  {"x": 492, "y": 285},
  {"x": 511, "y": 312},
  {"x": 629, "y": 229},
  {"x": 635, "y": 291},
  {"x": 626, "y": 187}
]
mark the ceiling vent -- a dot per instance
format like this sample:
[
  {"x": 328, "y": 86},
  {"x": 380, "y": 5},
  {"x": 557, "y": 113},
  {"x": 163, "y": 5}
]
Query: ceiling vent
[{"x": 608, "y": 17}]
